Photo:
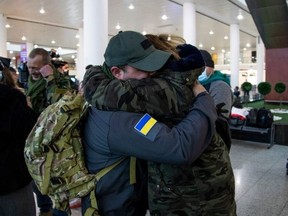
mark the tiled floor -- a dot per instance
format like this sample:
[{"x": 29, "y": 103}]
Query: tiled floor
[{"x": 261, "y": 180}]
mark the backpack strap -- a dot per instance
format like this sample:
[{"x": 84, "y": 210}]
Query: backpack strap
[
  {"x": 132, "y": 170},
  {"x": 93, "y": 209}
]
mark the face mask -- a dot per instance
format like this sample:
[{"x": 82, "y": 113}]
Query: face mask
[{"x": 203, "y": 77}]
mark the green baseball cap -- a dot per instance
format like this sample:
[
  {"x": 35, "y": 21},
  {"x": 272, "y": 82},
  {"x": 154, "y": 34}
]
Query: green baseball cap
[{"x": 134, "y": 49}]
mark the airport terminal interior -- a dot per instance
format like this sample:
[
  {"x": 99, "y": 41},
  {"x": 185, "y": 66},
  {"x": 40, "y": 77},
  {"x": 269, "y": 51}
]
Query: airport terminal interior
[{"x": 259, "y": 160}]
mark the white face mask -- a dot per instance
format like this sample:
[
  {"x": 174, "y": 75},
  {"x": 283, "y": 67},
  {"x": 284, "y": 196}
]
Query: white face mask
[{"x": 203, "y": 77}]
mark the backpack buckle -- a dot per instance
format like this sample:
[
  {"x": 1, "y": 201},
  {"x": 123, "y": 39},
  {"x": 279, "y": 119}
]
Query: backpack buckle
[
  {"x": 56, "y": 180},
  {"x": 54, "y": 148}
]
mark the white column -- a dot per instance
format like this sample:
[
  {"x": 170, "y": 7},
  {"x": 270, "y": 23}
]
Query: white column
[
  {"x": 95, "y": 30},
  {"x": 260, "y": 57},
  {"x": 80, "y": 67},
  {"x": 234, "y": 54},
  {"x": 3, "y": 36},
  {"x": 189, "y": 22}
]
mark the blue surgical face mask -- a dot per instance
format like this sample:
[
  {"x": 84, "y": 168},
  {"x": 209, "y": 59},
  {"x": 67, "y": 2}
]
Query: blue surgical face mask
[{"x": 203, "y": 77}]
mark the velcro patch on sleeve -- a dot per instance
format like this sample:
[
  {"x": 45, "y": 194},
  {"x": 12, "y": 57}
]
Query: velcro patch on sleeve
[{"x": 145, "y": 124}]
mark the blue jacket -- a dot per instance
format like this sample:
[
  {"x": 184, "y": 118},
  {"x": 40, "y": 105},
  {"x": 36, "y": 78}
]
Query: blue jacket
[{"x": 110, "y": 136}]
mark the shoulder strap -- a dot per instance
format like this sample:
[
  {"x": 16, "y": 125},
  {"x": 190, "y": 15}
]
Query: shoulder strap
[{"x": 93, "y": 210}]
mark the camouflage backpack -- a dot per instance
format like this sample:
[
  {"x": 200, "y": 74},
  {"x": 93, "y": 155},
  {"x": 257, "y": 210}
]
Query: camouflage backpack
[{"x": 55, "y": 156}]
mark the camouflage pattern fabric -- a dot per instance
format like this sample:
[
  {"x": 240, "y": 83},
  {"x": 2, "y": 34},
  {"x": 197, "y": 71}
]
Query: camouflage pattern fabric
[
  {"x": 157, "y": 96},
  {"x": 204, "y": 188},
  {"x": 54, "y": 153},
  {"x": 45, "y": 92}
]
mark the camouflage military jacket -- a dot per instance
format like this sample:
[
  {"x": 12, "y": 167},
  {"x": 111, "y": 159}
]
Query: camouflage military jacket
[
  {"x": 165, "y": 96},
  {"x": 206, "y": 187},
  {"x": 46, "y": 91}
]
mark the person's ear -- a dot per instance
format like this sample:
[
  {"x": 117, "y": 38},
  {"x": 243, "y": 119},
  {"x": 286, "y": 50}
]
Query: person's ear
[{"x": 117, "y": 72}]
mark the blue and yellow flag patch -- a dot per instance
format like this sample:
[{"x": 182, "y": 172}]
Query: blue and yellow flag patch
[{"x": 145, "y": 124}]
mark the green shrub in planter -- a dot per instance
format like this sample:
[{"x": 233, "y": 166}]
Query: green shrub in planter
[
  {"x": 264, "y": 88},
  {"x": 246, "y": 87},
  {"x": 280, "y": 88}
]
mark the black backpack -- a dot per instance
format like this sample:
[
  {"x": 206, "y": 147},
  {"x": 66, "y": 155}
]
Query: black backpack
[
  {"x": 251, "y": 118},
  {"x": 223, "y": 126},
  {"x": 264, "y": 118}
]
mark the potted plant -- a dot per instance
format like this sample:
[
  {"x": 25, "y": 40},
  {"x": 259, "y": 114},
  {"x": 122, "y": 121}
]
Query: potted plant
[
  {"x": 246, "y": 88},
  {"x": 280, "y": 88},
  {"x": 264, "y": 88}
]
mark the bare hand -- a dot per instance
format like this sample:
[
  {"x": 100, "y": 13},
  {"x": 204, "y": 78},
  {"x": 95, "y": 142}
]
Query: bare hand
[
  {"x": 28, "y": 100},
  {"x": 198, "y": 88},
  {"x": 46, "y": 70}
]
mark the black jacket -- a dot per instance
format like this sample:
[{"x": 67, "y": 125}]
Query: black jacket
[{"x": 16, "y": 121}]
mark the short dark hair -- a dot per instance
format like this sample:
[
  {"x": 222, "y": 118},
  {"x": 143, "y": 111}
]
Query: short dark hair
[
  {"x": 40, "y": 51},
  {"x": 88, "y": 66}
]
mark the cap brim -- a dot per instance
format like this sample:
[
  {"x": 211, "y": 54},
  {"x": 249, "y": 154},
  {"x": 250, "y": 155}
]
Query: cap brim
[{"x": 152, "y": 62}]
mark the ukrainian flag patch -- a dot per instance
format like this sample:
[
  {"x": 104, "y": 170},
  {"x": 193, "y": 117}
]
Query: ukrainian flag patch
[{"x": 145, "y": 124}]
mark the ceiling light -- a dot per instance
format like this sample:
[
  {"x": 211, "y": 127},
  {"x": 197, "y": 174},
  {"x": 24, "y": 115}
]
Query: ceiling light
[
  {"x": 78, "y": 45},
  {"x": 223, "y": 51},
  {"x": 144, "y": 32},
  {"x": 200, "y": 45},
  {"x": 7, "y": 25},
  {"x": 7, "y": 43},
  {"x": 169, "y": 38},
  {"x": 212, "y": 48},
  {"x": 23, "y": 38},
  {"x": 131, "y": 7},
  {"x": 77, "y": 36},
  {"x": 240, "y": 16},
  {"x": 42, "y": 11},
  {"x": 53, "y": 42},
  {"x": 35, "y": 46},
  {"x": 72, "y": 56},
  {"x": 226, "y": 37},
  {"x": 118, "y": 26},
  {"x": 11, "y": 51},
  {"x": 244, "y": 49},
  {"x": 248, "y": 45},
  {"x": 13, "y": 57},
  {"x": 164, "y": 17},
  {"x": 211, "y": 32}
]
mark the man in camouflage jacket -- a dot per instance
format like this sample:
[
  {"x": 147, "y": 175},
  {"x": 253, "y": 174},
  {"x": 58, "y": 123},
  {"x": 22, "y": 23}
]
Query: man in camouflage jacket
[
  {"x": 206, "y": 187},
  {"x": 45, "y": 86}
]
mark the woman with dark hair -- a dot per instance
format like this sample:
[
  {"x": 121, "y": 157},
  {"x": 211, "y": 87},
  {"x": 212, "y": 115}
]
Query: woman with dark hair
[{"x": 16, "y": 121}]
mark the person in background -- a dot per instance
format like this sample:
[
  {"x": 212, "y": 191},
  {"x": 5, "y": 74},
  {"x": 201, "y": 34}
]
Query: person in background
[
  {"x": 163, "y": 178},
  {"x": 45, "y": 86},
  {"x": 236, "y": 98},
  {"x": 63, "y": 68},
  {"x": 236, "y": 92},
  {"x": 16, "y": 121},
  {"x": 216, "y": 83},
  {"x": 16, "y": 79}
]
